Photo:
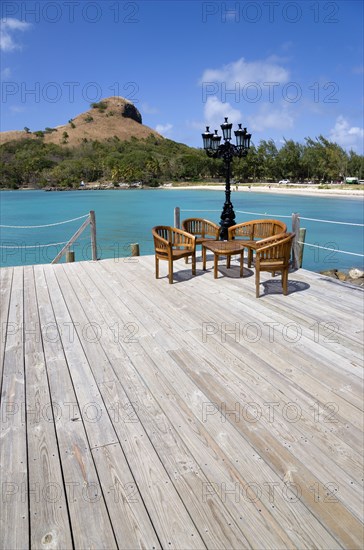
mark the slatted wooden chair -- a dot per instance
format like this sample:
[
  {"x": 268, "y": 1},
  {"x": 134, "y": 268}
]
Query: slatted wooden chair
[
  {"x": 173, "y": 244},
  {"x": 202, "y": 229},
  {"x": 273, "y": 254},
  {"x": 253, "y": 231}
]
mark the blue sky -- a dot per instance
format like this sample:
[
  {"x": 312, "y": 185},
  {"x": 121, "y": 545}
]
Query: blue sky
[{"x": 289, "y": 69}]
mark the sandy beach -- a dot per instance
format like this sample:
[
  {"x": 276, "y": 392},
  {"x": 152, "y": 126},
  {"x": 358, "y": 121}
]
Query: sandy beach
[{"x": 299, "y": 190}]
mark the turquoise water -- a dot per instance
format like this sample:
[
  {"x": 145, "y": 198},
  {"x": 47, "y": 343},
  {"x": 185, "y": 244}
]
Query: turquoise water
[{"x": 124, "y": 217}]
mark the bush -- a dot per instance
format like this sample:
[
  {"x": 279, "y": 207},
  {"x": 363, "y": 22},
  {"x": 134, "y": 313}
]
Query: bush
[
  {"x": 101, "y": 106},
  {"x": 88, "y": 118}
]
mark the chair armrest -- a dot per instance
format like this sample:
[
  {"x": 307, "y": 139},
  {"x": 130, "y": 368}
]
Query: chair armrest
[
  {"x": 183, "y": 239},
  {"x": 161, "y": 244},
  {"x": 269, "y": 242}
]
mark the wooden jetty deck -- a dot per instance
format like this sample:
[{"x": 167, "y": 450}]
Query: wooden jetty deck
[{"x": 138, "y": 414}]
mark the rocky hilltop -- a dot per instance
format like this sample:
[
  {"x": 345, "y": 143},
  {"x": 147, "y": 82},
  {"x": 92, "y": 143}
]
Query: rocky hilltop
[{"x": 111, "y": 117}]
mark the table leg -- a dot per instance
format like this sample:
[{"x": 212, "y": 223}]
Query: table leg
[
  {"x": 242, "y": 264},
  {"x": 216, "y": 259}
]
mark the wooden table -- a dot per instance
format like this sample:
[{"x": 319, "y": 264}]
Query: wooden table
[{"x": 223, "y": 248}]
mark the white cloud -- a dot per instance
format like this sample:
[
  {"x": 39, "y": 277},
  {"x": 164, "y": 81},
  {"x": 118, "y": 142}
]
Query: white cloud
[
  {"x": 280, "y": 118},
  {"x": 8, "y": 27},
  {"x": 244, "y": 72},
  {"x": 345, "y": 135},
  {"x": 163, "y": 128},
  {"x": 215, "y": 111}
]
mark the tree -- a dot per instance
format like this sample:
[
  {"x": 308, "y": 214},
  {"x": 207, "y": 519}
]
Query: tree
[
  {"x": 354, "y": 166},
  {"x": 290, "y": 160},
  {"x": 325, "y": 160}
]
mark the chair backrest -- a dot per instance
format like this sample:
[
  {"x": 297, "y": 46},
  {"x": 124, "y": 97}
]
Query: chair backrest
[
  {"x": 275, "y": 248},
  {"x": 257, "y": 229},
  {"x": 162, "y": 237},
  {"x": 166, "y": 237},
  {"x": 268, "y": 228},
  {"x": 201, "y": 227}
]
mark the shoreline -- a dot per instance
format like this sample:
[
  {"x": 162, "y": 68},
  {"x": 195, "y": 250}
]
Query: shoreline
[
  {"x": 314, "y": 192},
  {"x": 268, "y": 189}
]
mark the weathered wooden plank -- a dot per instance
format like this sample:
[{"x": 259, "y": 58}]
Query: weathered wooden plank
[
  {"x": 90, "y": 523},
  {"x": 97, "y": 422},
  {"x": 272, "y": 344},
  {"x": 132, "y": 526},
  {"x": 144, "y": 367},
  {"x": 304, "y": 433},
  {"x": 342, "y": 448},
  {"x": 162, "y": 375},
  {"x": 6, "y": 276},
  {"x": 282, "y": 459},
  {"x": 14, "y": 519},
  {"x": 170, "y": 518},
  {"x": 216, "y": 525},
  {"x": 217, "y": 533},
  {"x": 49, "y": 521}
]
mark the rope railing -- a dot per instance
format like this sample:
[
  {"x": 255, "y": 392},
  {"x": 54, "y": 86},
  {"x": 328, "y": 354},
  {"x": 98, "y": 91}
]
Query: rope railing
[
  {"x": 330, "y": 221},
  {"x": 278, "y": 216},
  {"x": 239, "y": 212},
  {"x": 45, "y": 225},
  {"x": 331, "y": 249},
  {"x": 299, "y": 241},
  {"x": 91, "y": 220}
]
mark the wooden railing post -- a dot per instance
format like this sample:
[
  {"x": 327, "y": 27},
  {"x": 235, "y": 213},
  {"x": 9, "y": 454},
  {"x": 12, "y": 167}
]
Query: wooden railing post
[
  {"x": 93, "y": 234},
  {"x": 91, "y": 220},
  {"x": 177, "y": 217},
  {"x": 134, "y": 247},
  {"x": 296, "y": 231},
  {"x": 302, "y": 237}
]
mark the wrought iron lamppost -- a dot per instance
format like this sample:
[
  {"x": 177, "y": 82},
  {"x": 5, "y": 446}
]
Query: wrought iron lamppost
[{"x": 227, "y": 151}]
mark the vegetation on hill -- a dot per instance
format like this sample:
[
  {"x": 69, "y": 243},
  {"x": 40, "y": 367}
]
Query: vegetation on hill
[
  {"x": 113, "y": 116},
  {"x": 153, "y": 161}
]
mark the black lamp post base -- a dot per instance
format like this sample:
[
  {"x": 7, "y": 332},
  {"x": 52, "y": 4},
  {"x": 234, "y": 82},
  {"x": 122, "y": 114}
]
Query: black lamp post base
[{"x": 227, "y": 220}]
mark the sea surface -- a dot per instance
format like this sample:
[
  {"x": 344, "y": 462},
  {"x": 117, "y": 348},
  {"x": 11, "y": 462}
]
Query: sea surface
[{"x": 125, "y": 217}]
